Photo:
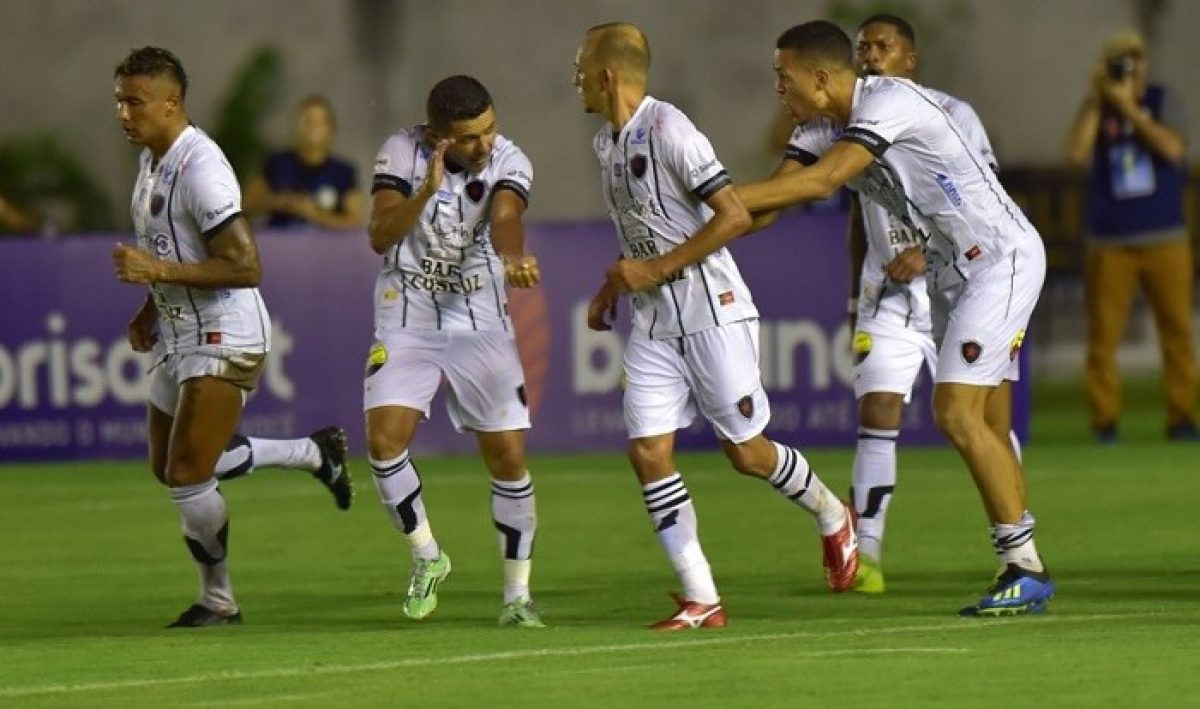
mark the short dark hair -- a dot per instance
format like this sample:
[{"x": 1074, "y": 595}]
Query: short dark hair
[
  {"x": 153, "y": 61},
  {"x": 456, "y": 98},
  {"x": 903, "y": 28},
  {"x": 821, "y": 40}
]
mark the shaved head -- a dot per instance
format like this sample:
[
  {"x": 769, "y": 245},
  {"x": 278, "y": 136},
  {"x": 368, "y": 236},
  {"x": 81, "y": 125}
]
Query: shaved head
[{"x": 622, "y": 46}]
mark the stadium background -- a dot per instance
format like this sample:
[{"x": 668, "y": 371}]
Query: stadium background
[
  {"x": 92, "y": 563},
  {"x": 1021, "y": 64}
]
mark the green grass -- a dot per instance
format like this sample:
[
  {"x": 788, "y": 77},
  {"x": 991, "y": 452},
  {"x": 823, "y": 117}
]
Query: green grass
[{"x": 93, "y": 565}]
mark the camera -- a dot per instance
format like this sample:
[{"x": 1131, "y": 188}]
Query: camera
[{"x": 1120, "y": 67}]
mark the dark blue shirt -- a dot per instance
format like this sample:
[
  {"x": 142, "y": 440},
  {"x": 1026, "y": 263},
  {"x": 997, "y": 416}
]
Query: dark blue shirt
[
  {"x": 1132, "y": 190},
  {"x": 327, "y": 184}
]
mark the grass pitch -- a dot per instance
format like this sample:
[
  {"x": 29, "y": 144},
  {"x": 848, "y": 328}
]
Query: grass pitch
[{"x": 93, "y": 566}]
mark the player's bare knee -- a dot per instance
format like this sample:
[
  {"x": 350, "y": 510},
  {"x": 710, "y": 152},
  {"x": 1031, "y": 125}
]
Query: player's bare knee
[
  {"x": 881, "y": 410},
  {"x": 650, "y": 459},
  {"x": 506, "y": 464},
  {"x": 185, "y": 473},
  {"x": 383, "y": 446},
  {"x": 749, "y": 457}
]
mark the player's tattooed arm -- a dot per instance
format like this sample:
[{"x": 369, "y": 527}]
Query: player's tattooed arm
[
  {"x": 393, "y": 215},
  {"x": 232, "y": 262},
  {"x": 840, "y": 164},
  {"x": 508, "y": 239}
]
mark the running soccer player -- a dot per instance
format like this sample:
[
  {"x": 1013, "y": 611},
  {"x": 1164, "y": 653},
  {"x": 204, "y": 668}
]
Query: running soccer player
[
  {"x": 447, "y": 202},
  {"x": 694, "y": 343},
  {"x": 897, "y": 145},
  {"x": 196, "y": 253}
]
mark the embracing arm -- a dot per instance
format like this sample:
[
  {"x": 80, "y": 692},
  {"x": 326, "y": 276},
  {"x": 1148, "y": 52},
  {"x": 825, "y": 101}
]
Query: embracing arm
[
  {"x": 730, "y": 219},
  {"x": 841, "y": 163}
]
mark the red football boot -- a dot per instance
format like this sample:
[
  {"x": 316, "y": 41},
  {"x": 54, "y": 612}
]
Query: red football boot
[
  {"x": 841, "y": 554},
  {"x": 694, "y": 615}
]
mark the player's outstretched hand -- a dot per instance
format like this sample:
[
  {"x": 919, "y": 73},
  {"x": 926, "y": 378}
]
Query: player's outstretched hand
[
  {"x": 135, "y": 266},
  {"x": 602, "y": 311},
  {"x": 907, "y": 265},
  {"x": 522, "y": 272}
]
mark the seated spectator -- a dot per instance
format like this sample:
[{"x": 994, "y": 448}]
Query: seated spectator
[{"x": 307, "y": 185}]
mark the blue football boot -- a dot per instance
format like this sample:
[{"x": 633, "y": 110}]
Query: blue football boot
[{"x": 1017, "y": 591}]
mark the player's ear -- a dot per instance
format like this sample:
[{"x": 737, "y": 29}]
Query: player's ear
[{"x": 911, "y": 60}]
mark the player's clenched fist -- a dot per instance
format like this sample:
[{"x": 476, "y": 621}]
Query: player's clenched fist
[
  {"x": 522, "y": 272},
  {"x": 136, "y": 266}
]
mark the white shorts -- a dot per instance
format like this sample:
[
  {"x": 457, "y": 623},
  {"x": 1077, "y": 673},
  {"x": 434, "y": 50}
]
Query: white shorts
[
  {"x": 487, "y": 384},
  {"x": 714, "y": 371},
  {"x": 985, "y": 321},
  {"x": 242, "y": 369},
  {"x": 889, "y": 361}
]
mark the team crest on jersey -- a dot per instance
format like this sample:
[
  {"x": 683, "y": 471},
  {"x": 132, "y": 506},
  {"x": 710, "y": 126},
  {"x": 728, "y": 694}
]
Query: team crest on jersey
[
  {"x": 475, "y": 190},
  {"x": 638, "y": 165},
  {"x": 970, "y": 351},
  {"x": 157, "y": 202},
  {"x": 1015, "y": 348},
  {"x": 162, "y": 245},
  {"x": 745, "y": 407}
]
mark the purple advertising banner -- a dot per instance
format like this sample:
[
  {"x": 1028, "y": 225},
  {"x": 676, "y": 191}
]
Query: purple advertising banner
[{"x": 72, "y": 388}]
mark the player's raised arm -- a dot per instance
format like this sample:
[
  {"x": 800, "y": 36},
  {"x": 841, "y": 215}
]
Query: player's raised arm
[
  {"x": 843, "y": 161},
  {"x": 395, "y": 206},
  {"x": 232, "y": 262},
  {"x": 508, "y": 238}
]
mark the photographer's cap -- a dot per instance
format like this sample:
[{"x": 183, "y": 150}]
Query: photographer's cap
[{"x": 1123, "y": 44}]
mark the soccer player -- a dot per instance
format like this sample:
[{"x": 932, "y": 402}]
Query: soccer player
[
  {"x": 446, "y": 208},
  {"x": 893, "y": 330},
  {"x": 196, "y": 253},
  {"x": 694, "y": 343},
  {"x": 897, "y": 145}
]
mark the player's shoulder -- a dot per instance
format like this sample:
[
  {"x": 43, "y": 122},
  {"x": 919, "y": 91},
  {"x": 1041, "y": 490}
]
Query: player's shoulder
[
  {"x": 399, "y": 148},
  {"x": 959, "y": 109},
  {"x": 894, "y": 91},
  {"x": 666, "y": 119},
  {"x": 201, "y": 157},
  {"x": 506, "y": 149}
]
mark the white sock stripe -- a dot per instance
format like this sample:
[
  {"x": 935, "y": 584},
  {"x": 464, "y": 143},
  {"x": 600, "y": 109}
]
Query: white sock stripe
[
  {"x": 655, "y": 507},
  {"x": 787, "y": 469},
  {"x": 676, "y": 486},
  {"x": 670, "y": 480},
  {"x": 804, "y": 488},
  {"x": 189, "y": 492},
  {"x": 513, "y": 487},
  {"x": 881, "y": 434},
  {"x": 511, "y": 496},
  {"x": 389, "y": 468}
]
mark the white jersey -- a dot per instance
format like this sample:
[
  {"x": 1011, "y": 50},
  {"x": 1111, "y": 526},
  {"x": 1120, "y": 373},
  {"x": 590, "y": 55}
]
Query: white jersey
[
  {"x": 880, "y": 300},
  {"x": 179, "y": 202},
  {"x": 656, "y": 173},
  {"x": 445, "y": 274},
  {"x": 929, "y": 174}
]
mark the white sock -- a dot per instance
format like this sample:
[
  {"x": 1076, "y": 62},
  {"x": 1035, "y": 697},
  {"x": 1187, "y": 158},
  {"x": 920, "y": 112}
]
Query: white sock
[
  {"x": 301, "y": 453},
  {"x": 399, "y": 487},
  {"x": 872, "y": 487},
  {"x": 794, "y": 479},
  {"x": 674, "y": 520},
  {"x": 206, "y": 532},
  {"x": 514, "y": 512},
  {"x": 236, "y": 460},
  {"x": 1014, "y": 543}
]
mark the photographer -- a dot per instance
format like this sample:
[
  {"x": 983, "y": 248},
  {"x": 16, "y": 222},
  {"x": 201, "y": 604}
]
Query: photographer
[{"x": 1133, "y": 134}]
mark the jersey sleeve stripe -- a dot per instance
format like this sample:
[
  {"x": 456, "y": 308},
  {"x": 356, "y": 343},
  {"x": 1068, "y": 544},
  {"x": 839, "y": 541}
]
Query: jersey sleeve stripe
[
  {"x": 871, "y": 141},
  {"x": 391, "y": 182},
  {"x": 514, "y": 186},
  {"x": 224, "y": 223},
  {"x": 713, "y": 185},
  {"x": 803, "y": 157}
]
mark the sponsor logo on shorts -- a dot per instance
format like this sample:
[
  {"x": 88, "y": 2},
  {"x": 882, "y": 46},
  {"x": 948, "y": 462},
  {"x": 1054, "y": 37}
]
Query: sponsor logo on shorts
[
  {"x": 638, "y": 165},
  {"x": 376, "y": 358},
  {"x": 861, "y": 346},
  {"x": 475, "y": 190},
  {"x": 745, "y": 407},
  {"x": 1015, "y": 348},
  {"x": 970, "y": 351}
]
